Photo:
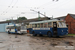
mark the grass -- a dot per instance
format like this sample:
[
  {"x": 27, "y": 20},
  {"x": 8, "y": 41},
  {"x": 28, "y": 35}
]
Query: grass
[{"x": 71, "y": 34}]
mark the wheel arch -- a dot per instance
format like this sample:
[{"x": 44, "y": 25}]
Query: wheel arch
[
  {"x": 49, "y": 31},
  {"x": 32, "y": 32}
]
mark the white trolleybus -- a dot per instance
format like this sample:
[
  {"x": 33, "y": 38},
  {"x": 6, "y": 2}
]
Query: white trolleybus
[
  {"x": 48, "y": 27},
  {"x": 18, "y": 28}
]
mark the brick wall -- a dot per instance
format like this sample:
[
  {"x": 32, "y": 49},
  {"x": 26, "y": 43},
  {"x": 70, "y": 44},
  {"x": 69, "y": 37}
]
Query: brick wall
[{"x": 71, "y": 24}]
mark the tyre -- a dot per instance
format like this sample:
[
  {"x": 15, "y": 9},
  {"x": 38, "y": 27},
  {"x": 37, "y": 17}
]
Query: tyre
[
  {"x": 21, "y": 33},
  {"x": 8, "y": 32},
  {"x": 40, "y": 35},
  {"x": 58, "y": 36},
  {"x": 49, "y": 34},
  {"x": 34, "y": 34}
]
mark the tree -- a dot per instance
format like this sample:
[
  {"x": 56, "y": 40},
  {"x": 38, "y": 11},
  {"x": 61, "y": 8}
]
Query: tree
[{"x": 22, "y": 18}]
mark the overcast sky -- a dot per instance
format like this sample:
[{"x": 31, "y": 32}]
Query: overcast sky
[{"x": 16, "y": 8}]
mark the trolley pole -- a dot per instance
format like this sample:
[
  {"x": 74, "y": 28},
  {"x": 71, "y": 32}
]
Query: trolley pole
[
  {"x": 38, "y": 15},
  {"x": 52, "y": 16},
  {"x": 16, "y": 29},
  {"x": 15, "y": 32}
]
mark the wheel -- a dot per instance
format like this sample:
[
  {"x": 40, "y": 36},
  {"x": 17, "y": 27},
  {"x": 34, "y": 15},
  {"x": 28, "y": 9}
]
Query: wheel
[
  {"x": 8, "y": 32},
  {"x": 34, "y": 34},
  {"x": 21, "y": 33},
  {"x": 40, "y": 35},
  {"x": 49, "y": 34},
  {"x": 57, "y": 36}
]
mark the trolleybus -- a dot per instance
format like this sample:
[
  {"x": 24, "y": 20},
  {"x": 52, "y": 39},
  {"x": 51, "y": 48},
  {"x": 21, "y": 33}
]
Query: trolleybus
[
  {"x": 48, "y": 27},
  {"x": 19, "y": 29}
]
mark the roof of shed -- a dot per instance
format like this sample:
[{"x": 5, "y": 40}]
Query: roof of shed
[
  {"x": 26, "y": 21},
  {"x": 63, "y": 17},
  {"x": 72, "y": 15}
]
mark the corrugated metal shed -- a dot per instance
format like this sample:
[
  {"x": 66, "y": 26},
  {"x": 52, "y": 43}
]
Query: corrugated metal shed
[
  {"x": 4, "y": 23},
  {"x": 3, "y": 26}
]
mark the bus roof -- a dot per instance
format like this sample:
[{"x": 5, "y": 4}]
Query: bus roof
[{"x": 43, "y": 21}]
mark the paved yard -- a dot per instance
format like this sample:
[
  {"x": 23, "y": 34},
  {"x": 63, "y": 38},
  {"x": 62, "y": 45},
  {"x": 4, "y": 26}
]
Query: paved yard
[{"x": 29, "y": 42}]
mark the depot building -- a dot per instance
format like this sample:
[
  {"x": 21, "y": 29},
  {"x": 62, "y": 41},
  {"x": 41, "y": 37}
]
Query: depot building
[{"x": 3, "y": 24}]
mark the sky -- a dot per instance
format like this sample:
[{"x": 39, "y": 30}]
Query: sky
[{"x": 18, "y": 8}]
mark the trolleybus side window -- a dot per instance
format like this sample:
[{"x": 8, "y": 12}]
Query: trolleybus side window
[
  {"x": 12, "y": 27},
  {"x": 41, "y": 25},
  {"x": 45, "y": 25},
  {"x": 33, "y": 25},
  {"x": 30, "y": 26},
  {"x": 22, "y": 27},
  {"x": 38, "y": 25},
  {"x": 62, "y": 24},
  {"x": 8, "y": 27},
  {"x": 50, "y": 24}
]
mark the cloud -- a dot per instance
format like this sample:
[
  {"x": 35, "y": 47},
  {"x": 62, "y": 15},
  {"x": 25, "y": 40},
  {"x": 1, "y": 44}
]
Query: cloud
[{"x": 60, "y": 8}]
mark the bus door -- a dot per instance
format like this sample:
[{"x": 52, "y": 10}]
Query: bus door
[{"x": 54, "y": 28}]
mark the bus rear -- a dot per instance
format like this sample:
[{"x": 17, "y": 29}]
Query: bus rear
[{"x": 18, "y": 28}]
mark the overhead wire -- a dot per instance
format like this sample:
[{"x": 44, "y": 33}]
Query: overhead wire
[
  {"x": 13, "y": 6},
  {"x": 8, "y": 7},
  {"x": 40, "y": 6},
  {"x": 15, "y": 3},
  {"x": 45, "y": 4},
  {"x": 54, "y": 4},
  {"x": 64, "y": 3}
]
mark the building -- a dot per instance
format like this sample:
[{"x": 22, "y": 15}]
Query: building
[
  {"x": 61, "y": 18},
  {"x": 35, "y": 19},
  {"x": 4, "y": 23},
  {"x": 70, "y": 21}
]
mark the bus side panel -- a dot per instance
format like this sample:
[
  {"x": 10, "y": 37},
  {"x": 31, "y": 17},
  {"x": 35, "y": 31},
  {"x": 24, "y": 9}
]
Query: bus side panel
[
  {"x": 44, "y": 32},
  {"x": 51, "y": 30},
  {"x": 62, "y": 31},
  {"x": 12, "y": 31},
  {"x": 30, "y": 30}
]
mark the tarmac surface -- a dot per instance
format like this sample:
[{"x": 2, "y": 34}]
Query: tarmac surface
[{"x": 29, "y": 42}]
